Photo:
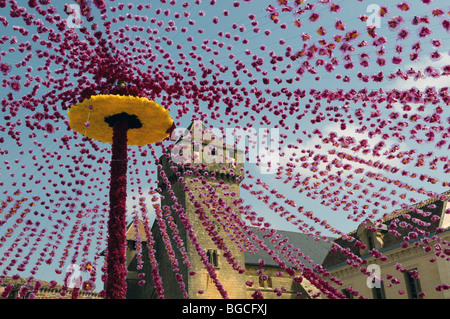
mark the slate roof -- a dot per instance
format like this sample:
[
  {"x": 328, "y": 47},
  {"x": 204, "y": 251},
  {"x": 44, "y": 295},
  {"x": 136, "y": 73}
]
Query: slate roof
[
  {"x": 434, "y": 206},
  {"x": 131, "y": 232},
  {"x": 315, "y": 250}
]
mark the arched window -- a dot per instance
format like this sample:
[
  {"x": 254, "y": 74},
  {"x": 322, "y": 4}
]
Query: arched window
[
  {"x": 370, "y": 244},
  {"x": 261, "y": 282},
  {"x": 370, "y": 236},
  {"x": 265, "y": 281},
  {"x": 213, "y": 257},
  {"x": 413, "y": 284},
  {"x": 269, "y": 282},
  {"x": 378, "y": 292}
]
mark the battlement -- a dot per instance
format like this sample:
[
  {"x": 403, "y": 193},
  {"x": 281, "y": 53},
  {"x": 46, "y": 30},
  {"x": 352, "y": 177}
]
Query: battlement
[{"x": 200, "y": 150}]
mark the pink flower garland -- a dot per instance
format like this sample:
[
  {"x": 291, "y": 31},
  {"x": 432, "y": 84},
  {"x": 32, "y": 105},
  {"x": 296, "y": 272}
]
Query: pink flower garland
[
  {"x": 200, "y": 251},
  {"x": 154, "y": 263},
  {"x": 138, "y": 247},
  {"x": 322, "y": 284},
  {"x": 166, "y": 239},
  {"x": 116, "y": 259}
]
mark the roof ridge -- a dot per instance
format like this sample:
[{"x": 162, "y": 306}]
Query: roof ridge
[
  {"x": 416, "y": 206},
  {"x": 400, "y": 212}
]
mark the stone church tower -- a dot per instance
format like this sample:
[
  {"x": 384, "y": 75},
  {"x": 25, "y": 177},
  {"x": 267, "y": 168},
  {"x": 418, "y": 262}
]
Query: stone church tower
[
  {"x": 205, "y": 195},
  {"x": 197, "y": 241}
]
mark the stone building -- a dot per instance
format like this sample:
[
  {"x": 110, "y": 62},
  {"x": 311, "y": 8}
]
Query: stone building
[
  {"x": 207, "y": 199},
  {"x": 411, "y": 259},
  {"x": 201, "y": 286},
  {"x": 25, "y": 288}
]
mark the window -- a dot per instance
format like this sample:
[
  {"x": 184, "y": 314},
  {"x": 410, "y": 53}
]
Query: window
[
  {"x": 269, "y": 282},
  {"x": 378, "y": 292},
  {"x": 265, "y": 281},
  {"x": 261, "y": 282},
  {"x": 132, "y": 244},
  {"x": 196, "y": 148},
  {"x": 347, "y": 294},
  {"x": 231, "y": 153},
  {"x": 213, "y": 257},
  {"x": 214, "y": 151},
  {"x": 371, "y": 236},
  {"x": 216, "y": 225},
  {"x": 413, "y": 284},
  {"x": 370, "y": 244},
  {"x": 196, "y": 153}
]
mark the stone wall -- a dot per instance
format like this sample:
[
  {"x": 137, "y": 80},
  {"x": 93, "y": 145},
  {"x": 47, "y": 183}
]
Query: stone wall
[
  {"x": 431, "y": 274},
  {"x": 277, "y": 285},
  {"x": 199, "y": 207},
  {"x": 44, "y": 292}
]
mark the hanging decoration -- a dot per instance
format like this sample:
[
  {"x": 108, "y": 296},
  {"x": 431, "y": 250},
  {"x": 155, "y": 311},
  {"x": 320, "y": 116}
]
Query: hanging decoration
[{"x": 353, "y": 98}]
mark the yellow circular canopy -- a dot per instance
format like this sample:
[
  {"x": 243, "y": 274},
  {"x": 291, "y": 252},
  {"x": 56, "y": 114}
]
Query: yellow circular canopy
[{"x": 91, "y": 118}]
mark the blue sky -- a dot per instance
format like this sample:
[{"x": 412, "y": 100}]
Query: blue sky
[{"x": 219, "y": 45}]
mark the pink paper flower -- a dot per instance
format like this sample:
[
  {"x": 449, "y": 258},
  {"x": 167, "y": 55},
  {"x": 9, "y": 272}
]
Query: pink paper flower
[
  {"x": 14, "y": 85},
  {"x": 5, "y": 68}
]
